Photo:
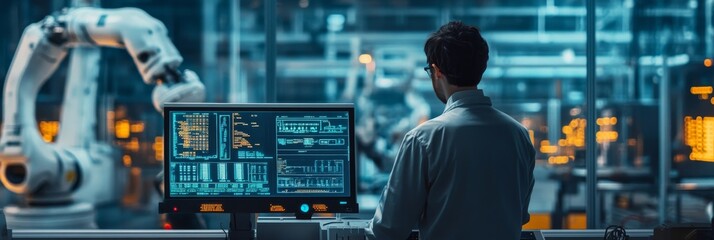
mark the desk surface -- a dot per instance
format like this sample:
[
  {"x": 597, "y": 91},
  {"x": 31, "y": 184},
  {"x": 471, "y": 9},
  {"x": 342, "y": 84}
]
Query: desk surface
[
  {"x": 278, "y": 229},
  {"x": 219, "y": 234}
]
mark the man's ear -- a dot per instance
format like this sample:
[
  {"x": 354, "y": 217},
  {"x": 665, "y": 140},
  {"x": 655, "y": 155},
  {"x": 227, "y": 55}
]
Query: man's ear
[{"x": 437, "y": 72}]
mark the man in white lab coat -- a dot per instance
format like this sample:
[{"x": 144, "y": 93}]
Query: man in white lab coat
[{"x": 468, "y": 173}]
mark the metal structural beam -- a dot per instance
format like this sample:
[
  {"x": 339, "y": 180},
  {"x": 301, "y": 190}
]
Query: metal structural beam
[
  {"x": 236, "y": 91},
  {"x": 532, "y": 67},
  {"x": 592, "y": 207},
  {"x": 209, "y": 43},
  {"x": 559, "y": 11},
  {"x": 499, "y": 37},
  {"x": 270, "y": 51},
  {"x": 665, "y": 143}
]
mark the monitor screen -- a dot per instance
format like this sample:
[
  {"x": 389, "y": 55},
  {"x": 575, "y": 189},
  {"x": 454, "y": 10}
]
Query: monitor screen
[{"x": 271, "y": 152}]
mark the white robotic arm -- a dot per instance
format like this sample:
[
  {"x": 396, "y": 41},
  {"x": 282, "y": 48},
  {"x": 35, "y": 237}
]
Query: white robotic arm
[
  {"x": 146, "y": 40},
  {"x": 49, "y": 173}
]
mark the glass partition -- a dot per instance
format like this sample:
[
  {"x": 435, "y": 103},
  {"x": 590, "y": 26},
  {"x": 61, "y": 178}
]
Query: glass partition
[
  {"x": 653, "y": 107},
  {"x": 367, "y": 53}
]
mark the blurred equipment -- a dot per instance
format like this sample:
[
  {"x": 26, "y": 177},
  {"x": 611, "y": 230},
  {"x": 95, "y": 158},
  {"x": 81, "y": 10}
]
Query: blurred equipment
[
  {"x": 387, "y": 115},
  {"x": 61, "y": 181},
  {"x": 388, "y": 106},
  {"x": 687, "y": 231}
]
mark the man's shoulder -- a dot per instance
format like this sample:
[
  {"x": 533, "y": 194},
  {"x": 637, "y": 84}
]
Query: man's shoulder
[
  {"x": 512, "y": 122},
  {"x": 425, "y": 130},
  {"x": 429, "y": 126}
]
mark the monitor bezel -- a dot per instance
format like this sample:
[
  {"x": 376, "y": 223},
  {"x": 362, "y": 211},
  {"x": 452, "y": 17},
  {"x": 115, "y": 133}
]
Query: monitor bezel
[{"x": 346, "y": 204}]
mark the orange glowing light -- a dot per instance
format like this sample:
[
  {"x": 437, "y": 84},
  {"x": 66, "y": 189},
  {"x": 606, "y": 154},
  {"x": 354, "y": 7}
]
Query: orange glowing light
[
  {"x": 679, "y": 158},
  {"x": 122, "y": 129},
  {"x": 137, "y": 127},
  {"x": 319, "y": 207},
  {"x": 558, "y": 160},
  {"x": 606, "y": 121},
  {"x": 600, "y": 122},
  {"x": 701, "y": 90},
  {"x": 708, "y": 62},
  {"x": 126, "y": 159},
  {"x": 212, "y": 207},
  {"x": 567, "y": 130},
  {"x": 606, "y": 136},
  {"x": 158, "y": 148},
  {"x": 574, "y": 133},
  {"x": 549, "y": 149},
  {"x": 538, "y": 221},
  {"x": 699, "y": 135},
  {"x": 573, "y": 123},
  {"x": 365, "y": 58},
  {"x": 49, "y": 130},
  {"x": 277, "y": 208},
  {"x": 133, "y": 145}
]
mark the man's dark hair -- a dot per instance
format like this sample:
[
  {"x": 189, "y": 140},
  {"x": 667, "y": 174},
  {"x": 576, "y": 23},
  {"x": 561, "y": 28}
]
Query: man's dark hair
[{"x": 460, "y": 53}]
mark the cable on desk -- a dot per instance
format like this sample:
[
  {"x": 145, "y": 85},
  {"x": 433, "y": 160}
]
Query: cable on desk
[
  {"x": 330, "y": 223},
  {"x": 615, "y": 232},
  {"x": 224, "y": 230}
]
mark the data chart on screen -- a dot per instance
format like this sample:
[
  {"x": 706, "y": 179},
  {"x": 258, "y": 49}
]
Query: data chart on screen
[{"x": 259, "y": 153}]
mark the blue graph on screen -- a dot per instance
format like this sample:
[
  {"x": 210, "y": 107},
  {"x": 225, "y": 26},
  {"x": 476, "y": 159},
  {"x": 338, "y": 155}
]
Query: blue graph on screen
[{"x": 259, "y": 153}]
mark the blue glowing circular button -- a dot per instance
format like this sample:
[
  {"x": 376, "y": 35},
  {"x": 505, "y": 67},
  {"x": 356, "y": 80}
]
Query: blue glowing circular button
[{"x": 304, "y": 208}]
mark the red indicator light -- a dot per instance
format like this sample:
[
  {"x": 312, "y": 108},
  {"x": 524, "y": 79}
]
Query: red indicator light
[
  {"x": 167, "y": 226},
  {"x": 175, "y": 209}
]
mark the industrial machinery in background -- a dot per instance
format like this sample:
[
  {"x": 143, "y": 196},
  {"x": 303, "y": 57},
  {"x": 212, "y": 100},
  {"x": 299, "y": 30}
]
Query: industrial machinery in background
[
  {"x": 388, "y": 106},
  {"x": 60, "y": 182}
]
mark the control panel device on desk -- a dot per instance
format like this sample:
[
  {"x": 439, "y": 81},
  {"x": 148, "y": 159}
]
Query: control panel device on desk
[{"x": 259, "y": 158}]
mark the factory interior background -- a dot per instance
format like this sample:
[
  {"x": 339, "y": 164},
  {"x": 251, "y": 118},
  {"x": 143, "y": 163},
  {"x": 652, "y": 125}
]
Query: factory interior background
[{"x": 653, "y": 95}]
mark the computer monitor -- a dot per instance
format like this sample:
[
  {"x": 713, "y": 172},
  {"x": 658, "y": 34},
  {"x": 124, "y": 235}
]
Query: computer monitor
[{"x": 259, "y": 158}]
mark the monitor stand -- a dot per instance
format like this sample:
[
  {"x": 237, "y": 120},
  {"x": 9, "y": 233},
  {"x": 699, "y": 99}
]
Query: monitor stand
[{"x": 243, "y": 226}]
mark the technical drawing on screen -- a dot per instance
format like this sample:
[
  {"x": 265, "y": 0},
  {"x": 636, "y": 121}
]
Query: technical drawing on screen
[{"x": 258, "y": 152}]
